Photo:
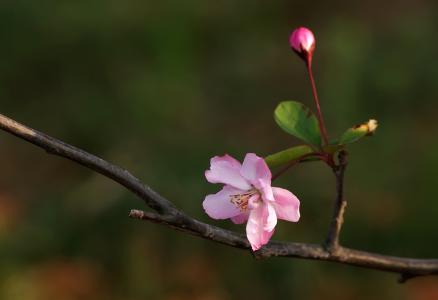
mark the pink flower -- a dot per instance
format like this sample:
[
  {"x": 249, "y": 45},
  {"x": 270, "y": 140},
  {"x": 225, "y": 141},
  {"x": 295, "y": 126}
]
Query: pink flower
[
  {"x": 248, "y": 197},
  {"x": 302, "y": 42}
]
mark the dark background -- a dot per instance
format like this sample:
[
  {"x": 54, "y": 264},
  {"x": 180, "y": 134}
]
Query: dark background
[{"x": 159, "y": 87}]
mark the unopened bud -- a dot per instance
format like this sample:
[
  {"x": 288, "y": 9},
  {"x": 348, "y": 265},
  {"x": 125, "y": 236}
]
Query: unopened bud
[
  {"x": 359, "y": 131},
  {"x": 368, "y": 128},
  {"x": 372, "y": 126},
  {"x": 302, "y": 42}
]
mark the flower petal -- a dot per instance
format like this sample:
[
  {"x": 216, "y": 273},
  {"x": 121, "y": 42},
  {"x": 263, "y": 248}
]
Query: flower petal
[
  {"x": 287, "y": 205},
  {"x": 266, "y": 190},
  {"x": 226, "y": 170},
  {"x": 219, "y": 206},
  {"x": 240, "y": 219},
  {"x": 256, "y": 227},
  {"x": 234, "y": 163},
  {"x": 255, "y": 170},
  {"x": 271, "y": 218}
]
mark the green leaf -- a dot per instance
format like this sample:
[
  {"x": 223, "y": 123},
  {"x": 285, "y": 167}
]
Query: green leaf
[
  {"x": 288, "y": 155},
  {"x": 357, "y": 132},
  {"x": 298, "y": 120}
]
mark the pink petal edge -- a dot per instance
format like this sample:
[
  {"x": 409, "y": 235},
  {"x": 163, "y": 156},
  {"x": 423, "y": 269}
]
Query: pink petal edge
[
  {"x": 226, "y": 170},
  {"x": 286, "y": 204},
  {"x": 255, "y": 228},
  {"x": 255, "y": 170}
]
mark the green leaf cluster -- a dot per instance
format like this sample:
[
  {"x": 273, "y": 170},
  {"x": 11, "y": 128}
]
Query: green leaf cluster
[{"x": 298, "y": 120}]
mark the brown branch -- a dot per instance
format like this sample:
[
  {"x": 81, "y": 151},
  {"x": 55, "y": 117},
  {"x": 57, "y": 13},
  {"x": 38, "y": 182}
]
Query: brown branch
[
  {"x": 168, "y": 215},
  {"x": 408, "y": 267},
  {"x": 332, "y": 241},
  {"x": 59, "y": 148}
]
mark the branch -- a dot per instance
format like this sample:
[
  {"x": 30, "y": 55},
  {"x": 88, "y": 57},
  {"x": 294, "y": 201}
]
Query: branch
[
  {"x": 59, "y": 148},
  {"x": 167, "y": 214},
  {"x": 407, "y": 267},
  {"x": 332, "y": 241}
]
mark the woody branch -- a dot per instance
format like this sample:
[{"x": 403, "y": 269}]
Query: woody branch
[{"x": 166, "y": 213}]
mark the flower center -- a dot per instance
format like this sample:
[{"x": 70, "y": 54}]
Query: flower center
[{"x": 241, "y": 200}]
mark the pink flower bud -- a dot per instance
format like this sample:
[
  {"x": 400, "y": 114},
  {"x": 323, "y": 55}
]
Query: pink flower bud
[{"x": 302, "y": 42}]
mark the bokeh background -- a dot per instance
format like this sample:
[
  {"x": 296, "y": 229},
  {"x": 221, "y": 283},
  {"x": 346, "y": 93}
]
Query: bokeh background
[{"x": 159, "y": 87}]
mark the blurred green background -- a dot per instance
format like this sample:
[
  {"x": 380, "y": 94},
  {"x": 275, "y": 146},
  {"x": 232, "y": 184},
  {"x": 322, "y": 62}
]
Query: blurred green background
[{"x": 159, "y": 87}]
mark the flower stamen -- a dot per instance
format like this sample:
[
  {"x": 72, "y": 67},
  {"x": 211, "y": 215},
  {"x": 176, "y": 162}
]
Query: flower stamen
[{"x": 241, "y": 200}]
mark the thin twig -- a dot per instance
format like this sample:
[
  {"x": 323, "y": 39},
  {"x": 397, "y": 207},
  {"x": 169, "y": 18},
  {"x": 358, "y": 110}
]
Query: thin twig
[
  {"x": 332, "y": 241},
  {"x": 168, "y": 215}
]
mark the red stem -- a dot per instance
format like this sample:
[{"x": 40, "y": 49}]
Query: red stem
[{"x": 315, "y": 96}]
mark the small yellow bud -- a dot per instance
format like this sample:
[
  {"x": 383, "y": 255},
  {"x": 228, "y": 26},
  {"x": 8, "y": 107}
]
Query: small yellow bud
[{"x": 372, "y": 126}]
